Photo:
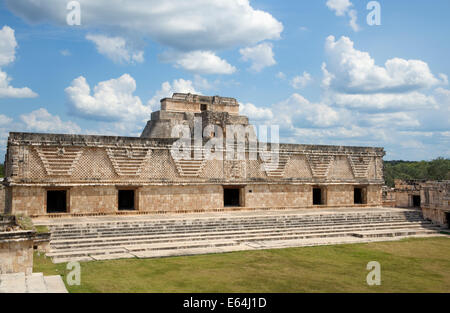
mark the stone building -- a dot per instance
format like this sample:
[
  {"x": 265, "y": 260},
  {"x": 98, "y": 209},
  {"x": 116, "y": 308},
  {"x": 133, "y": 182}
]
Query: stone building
[
  {"x": 432, "y": 197},
  {"x": 48, "y": 174}
]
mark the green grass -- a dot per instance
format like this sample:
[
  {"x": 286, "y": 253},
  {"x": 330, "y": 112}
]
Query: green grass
[{"x": 412, "y": 265}]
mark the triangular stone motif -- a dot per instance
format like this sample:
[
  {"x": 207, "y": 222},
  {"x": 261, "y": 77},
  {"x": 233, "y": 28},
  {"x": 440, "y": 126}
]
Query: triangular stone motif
[
  {"x": 319, "y": 164},
  {"x": 59, "y": 160},
  {"x": 128, "y": 161},
  {"x": 360, "y": 165},
  {"x": 276, "y": 169}
]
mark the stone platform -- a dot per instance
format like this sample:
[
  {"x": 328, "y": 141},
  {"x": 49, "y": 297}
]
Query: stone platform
[
  {"x": 148, "y": 236},
  {"x": 34, "y": 283}
]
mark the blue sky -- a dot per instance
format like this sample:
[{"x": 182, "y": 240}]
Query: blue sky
[{"x": 316, "y": 68}]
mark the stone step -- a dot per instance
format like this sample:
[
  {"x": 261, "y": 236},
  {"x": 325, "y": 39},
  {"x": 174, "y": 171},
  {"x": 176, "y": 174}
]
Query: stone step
[
  {"x": 394, "y": 233},
  {"x": 219, "y": 222},
  {"x": 55, "y": 243},
  {"x": 13, "y": 283},
  {"x": 175, "y": 229},
  {"x": 190, "y": 243},
  {"x": 35, "y": 283},
  {"x": 115, "y": 242},
  {"x": 55, "y": 284}
]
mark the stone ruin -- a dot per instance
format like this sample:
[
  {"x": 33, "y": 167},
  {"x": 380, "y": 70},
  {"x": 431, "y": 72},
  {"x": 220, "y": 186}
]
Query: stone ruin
[{"x": 58, "y": 174}]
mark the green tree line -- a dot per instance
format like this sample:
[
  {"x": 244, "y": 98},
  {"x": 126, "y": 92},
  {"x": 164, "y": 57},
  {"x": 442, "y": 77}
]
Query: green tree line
[
  {"x": 438, "y": 169},
  {"x": 1, "y": 170}
]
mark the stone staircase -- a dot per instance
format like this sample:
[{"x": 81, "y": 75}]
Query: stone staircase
[
  {"x": 151, "y": 237},
  {"x": 34, "y": 283}
]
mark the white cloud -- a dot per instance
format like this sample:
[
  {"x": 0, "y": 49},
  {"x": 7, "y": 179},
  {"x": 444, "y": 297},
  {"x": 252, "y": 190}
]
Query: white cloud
[
  {"x": 8, "y": 91},
  {"x": 299, "y": 82},
  {"x": 260, "y": 55},
  {"x": 340, "y": 7},
  {"x": 8, "y": 45},
  {"x": 281, "y": 75},
  {"x": 352, "y": 71},
  {"x": 116, "y": 49},
  {"x": 385, "y": 101},
  {"x": 167, "y": 89},
  {"x": 42, "y": 121},
  {"x": 180, "y": 24},
  {"x": 65, "y": 52},
  {"x": 4, "y": 120},
  {"x": 112, "y": 100},
  {"x": 200, "y": 62},
  {"x": 353, "y": 20},
  {"x": 254, "y": 112}
]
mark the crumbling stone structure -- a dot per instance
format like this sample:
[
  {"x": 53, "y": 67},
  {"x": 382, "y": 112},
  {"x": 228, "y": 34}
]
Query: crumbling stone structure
[
  {"x": 54, "y": 174},
  {"x": 432, "y": 197}
]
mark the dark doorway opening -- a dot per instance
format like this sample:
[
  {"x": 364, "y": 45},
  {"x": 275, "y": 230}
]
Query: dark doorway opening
[
  {"x": 447, "y": 217},
  {"x": 358, "y": 196},
  {"x": 416, "y": 201},
  {"x": 126, "y": 200},
  {"x": 317, "y": 196},
  {"x": 231, "y": 197},
  {"x": 56, "y": 201}
]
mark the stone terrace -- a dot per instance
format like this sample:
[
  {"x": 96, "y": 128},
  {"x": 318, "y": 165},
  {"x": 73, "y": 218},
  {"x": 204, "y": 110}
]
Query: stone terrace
[{"x": 110, "y": 237}]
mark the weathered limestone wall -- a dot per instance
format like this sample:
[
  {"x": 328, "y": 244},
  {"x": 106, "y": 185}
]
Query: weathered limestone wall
[
  {"x": 266, "y": 196},
  {"x": 2, "y": 198},
  {"x": 28, "y": 200},
  {"x": 16, "y": 256},
  {"x": 180, "y": 198},
  {"x": 92, "y": 199}
]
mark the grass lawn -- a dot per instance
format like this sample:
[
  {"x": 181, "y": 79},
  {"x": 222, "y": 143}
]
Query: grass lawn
[{"x": 412, "y": 265}]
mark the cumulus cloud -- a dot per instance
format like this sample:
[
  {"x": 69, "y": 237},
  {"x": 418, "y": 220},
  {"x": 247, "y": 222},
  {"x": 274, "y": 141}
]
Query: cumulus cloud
[
  {"x": 299, "y": 82},
  {"x": 8, "y": 91},
  {"x": 8, "y": 45},
  {"x": 167, "y": 89},
  {"x": 116, "y": 49},
  {"x": 200, "y": 62},
  {"x": 183, "y": 25},
  {"x": 254, "y": 112},
  {"x": 385, "y": 101},
  {"x": 352, "y": 71},
  {"x": 112, "y": 100},
  {"x": 42, "y": 121},
  {"x": 260, "y": 56},
  {"x": 342, "y": 8}
]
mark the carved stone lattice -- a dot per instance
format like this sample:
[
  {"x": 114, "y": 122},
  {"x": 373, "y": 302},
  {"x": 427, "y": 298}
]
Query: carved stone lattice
[{"x": 235, "y": 169}]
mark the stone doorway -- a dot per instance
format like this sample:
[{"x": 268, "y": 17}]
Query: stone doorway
[
  {"x": 416, "y": 201},
  {"x": 56, "y": 201},
  {"x": 358, "y": 196},
  {"x": 317, "y": 196},
  {"x": 126, "y": 200},
  {"x": 231, "y": 197}
]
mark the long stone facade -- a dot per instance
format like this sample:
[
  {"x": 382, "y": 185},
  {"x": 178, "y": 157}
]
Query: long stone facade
[{"x": 52, "y": 174}]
